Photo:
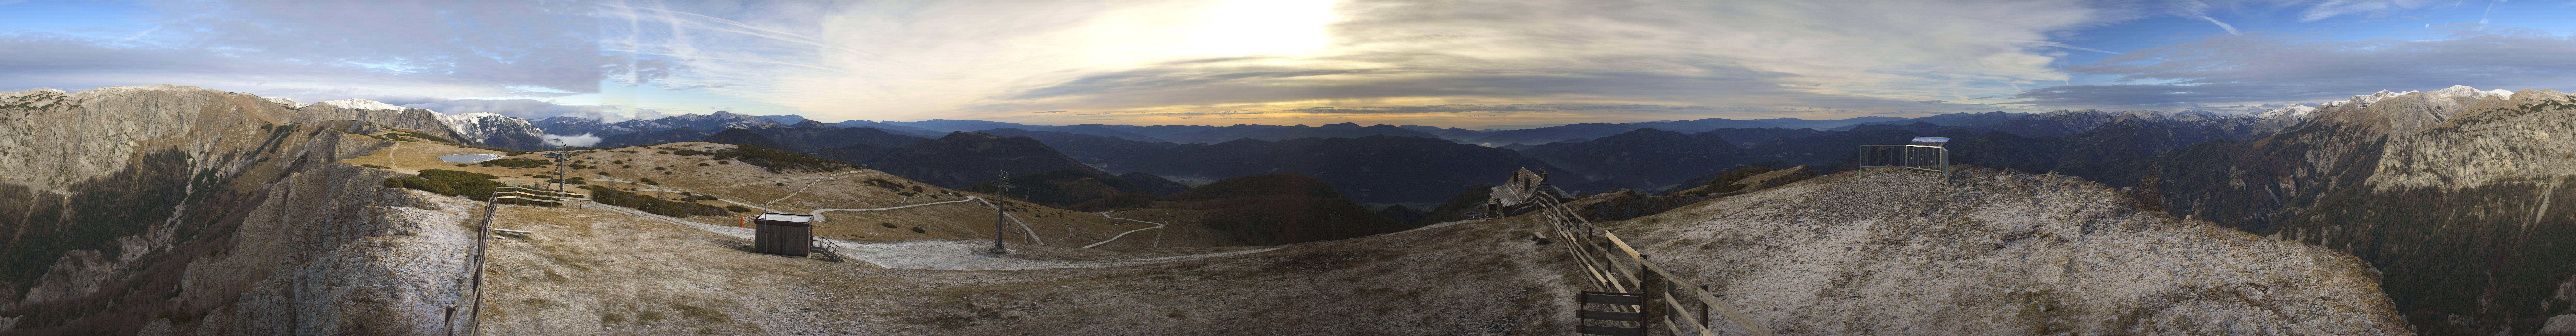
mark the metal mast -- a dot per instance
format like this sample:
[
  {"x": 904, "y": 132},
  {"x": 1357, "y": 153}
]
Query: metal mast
[{"x": 999, "y": 203}]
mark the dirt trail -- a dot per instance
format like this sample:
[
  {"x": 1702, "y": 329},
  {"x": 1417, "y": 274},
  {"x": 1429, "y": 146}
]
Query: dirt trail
[{"x": 1123, "y": 234}]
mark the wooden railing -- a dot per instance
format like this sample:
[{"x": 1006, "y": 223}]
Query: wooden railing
[
  {"x": 1616, "y": 267},
  {"x": 482, "y": 240}
]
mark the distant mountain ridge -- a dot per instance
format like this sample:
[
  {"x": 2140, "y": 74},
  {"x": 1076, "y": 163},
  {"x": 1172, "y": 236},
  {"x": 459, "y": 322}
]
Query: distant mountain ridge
[{"x": 1676, "y": 157}]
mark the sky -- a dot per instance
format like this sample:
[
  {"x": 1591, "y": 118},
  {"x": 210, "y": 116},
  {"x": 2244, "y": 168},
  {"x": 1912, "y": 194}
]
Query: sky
[{"x": 1223, "y": 62}]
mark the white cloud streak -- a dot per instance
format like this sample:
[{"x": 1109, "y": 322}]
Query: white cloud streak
[{"x": 946, "y": 59}]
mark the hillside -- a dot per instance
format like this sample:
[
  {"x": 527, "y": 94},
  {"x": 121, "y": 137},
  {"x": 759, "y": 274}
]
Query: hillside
[
  {"x": 2453, "y": 195},
  {"x": 956, "y": 160},
  {"x": 808, "y": 138},
  {"x": 1644, "y": 157},
  {"x": 2000, "y": 252}
]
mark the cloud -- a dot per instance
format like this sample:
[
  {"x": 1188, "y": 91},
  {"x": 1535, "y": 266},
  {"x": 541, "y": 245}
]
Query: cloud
[
  {"x": 1462, "y": 108},
  {"x": 964, "y": 59},
  {"x": 2331, "y": 8},
  {"x": 2260, "y": 68},
  {"x": 2197, "y": 9},
  {"x": 440, "y": 48},
  {"x": 523, "y": 108},
  {"x": 585, "y": 139}
]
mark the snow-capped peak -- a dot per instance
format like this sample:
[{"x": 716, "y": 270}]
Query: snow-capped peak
[
  {"x": 482, "y": 126},
  {"x": 2466, "y": 91},
  {"x": 361, "y": 104},
  {"x": 2294, "y": 111},
  {"x": 2376, "y": 96},
  {"x": 290, "y": 103}
]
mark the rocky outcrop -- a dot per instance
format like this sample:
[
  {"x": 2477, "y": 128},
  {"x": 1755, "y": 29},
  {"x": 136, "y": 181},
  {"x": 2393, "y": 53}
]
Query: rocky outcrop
[
  {"x": 2417, "y": 183},
  {"x": 381, "y": 114},
  {"x": 179, "y": 210},
  {"x": 2000, "y": 253},
  {"x": 496, "y": 130}
]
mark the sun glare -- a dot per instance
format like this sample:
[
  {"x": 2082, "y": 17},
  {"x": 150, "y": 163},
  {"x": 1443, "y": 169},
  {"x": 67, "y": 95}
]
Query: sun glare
[{"x": 1245, "y": 27}]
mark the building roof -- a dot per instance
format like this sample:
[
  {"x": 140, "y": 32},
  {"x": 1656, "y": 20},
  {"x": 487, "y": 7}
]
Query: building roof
[{"x": 1524, "y": 186}]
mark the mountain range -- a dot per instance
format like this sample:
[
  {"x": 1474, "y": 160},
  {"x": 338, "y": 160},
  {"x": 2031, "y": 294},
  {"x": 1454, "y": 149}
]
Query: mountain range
[
  {"x": 153, "y": 207},
  {"x": 2458, "y": 196}
]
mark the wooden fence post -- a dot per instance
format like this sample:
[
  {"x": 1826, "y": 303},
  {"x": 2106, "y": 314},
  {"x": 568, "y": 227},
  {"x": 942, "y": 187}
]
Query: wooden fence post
[{"x": 1657, "y": 292}]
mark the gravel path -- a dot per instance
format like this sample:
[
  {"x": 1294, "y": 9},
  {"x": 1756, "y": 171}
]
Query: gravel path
[
  {"x": 1877, "y": 191},
  {"x": 1123, "y": 234}
]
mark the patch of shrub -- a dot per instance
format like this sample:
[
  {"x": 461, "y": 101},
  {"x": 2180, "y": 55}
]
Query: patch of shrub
[
  {"x": 702, "y": 164},
  {"x": 373, "y": 166},
  {"x": 460, "y": 165},
  {"x": 646, "y": 181},
  {"x": 777, "y": 160},
  {"x": 885, "y": 183},
  {"x": 476, "y": 186},
  {"x": 515, "y": 163},
  {"x": 737, "y": 208},
  {"x": 655, "y": 205},
  {"x": 423, "y": 136},
  {"x": 887, "y": 225},
  {"x": 918, "y": 230}
]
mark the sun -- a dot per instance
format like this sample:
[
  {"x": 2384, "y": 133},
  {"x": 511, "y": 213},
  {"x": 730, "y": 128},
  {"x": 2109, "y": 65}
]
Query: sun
[{"x": 1251, "y": 27}]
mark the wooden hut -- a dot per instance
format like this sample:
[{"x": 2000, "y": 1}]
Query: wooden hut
[{"x": 783, "y": 234}]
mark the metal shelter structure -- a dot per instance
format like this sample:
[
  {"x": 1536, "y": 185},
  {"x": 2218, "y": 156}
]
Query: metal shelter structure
[{"x": 1923, "y": 153}]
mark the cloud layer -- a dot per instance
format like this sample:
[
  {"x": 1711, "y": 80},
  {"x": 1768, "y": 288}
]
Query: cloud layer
[
  {"x": 2260, "y": 68},
  {"x": 1148, "y": 57},
  {"x": 1270, "y": 61}
]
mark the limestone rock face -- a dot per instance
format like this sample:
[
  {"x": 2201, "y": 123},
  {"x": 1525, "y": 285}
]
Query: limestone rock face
[
  {"x": 496, "y": 130},
  {"x": 382, "y": 114},
  {"x": 2000, "y": 253},
  {"x": 2432, "y": 188},
  {"x": 178, "y": 210}
]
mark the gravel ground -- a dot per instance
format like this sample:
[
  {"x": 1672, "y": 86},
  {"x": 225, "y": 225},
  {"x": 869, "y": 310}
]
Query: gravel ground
[{"x": 1879, "y": 190}]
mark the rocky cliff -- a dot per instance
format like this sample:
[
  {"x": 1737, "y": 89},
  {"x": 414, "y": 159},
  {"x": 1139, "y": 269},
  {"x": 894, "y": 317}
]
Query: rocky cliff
[
  {"x": 2000, "y": 253},
  {"x": 2456, "y": 194},
  {"x": 495, "y": 130},
  {"x": 179, "y": 210}
]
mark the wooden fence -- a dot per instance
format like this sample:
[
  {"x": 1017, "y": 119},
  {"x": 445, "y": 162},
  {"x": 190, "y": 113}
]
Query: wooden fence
[{"x": 1616, "y": 267}]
